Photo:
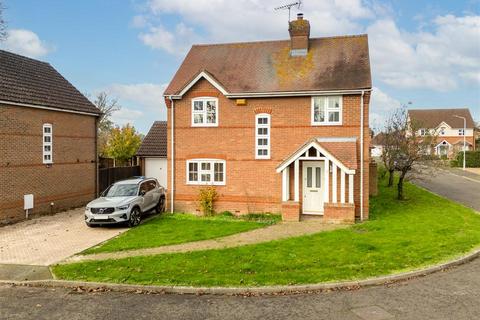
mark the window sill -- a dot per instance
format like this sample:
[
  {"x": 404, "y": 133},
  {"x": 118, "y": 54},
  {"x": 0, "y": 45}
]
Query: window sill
[
  {"x": 319, "y": 124},
  {"x": 204, "y": 125},
  {"x": 205, "y": 183}
]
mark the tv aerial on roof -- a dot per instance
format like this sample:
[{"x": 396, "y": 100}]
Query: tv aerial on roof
[{"x": 289, "y": 7}]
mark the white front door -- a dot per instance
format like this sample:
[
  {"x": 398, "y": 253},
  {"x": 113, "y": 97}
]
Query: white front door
[{"x": 313, "y": 181}]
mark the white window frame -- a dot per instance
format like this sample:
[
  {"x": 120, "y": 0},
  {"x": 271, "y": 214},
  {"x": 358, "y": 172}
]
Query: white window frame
[
  {"x": 262, "y": 136},
  {"x": 442, "y": 131},
  {"x": 47, "y": 144},
  {"x": 204, "y": 112},
  {"x": 423, "y": 132},
  {"x": 461, "y": 132},
  {"x": 211, "y": 172},
  {"x": 326, "y": 109}
]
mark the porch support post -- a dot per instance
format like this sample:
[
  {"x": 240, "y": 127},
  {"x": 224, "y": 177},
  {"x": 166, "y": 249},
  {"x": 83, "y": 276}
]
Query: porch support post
[
  {"x": 342, "y": 186},
  {"x": 334, "y": 183},
  {"x": 350, "y": 188},
  {"x": 327, "y": 175},
  {"x": 297, "y": 180},
  {"x": 285, "y": 184}
]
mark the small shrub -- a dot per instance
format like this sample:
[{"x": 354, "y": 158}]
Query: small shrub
[
  {"x": 207, "y": 197},
  {"x": 226, "y": 214}
]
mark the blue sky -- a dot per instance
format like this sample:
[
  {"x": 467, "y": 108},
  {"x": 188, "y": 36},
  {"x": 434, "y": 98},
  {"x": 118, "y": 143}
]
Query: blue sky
[{"x": 426, "y": 52}]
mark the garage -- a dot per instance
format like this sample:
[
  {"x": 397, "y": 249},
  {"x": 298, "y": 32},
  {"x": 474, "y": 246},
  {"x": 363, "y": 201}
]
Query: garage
[{"x": 153, "y": 153}]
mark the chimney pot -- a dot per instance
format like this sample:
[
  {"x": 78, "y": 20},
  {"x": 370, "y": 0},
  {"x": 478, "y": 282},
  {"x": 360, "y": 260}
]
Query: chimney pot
[{"x": 299, "y": 16}]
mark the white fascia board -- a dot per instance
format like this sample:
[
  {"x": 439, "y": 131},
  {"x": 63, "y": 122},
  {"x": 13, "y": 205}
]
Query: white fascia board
[{"x": 198, "y": 77}]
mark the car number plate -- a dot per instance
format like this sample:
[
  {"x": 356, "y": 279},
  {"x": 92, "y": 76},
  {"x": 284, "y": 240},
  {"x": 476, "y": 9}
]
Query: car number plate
[{"x": 102, "y": 217}]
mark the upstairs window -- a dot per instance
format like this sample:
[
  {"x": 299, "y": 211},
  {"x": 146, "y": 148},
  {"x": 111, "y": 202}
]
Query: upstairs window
[
  {"x": 262, "y": 136},
  {"x": 423, "y": 132},
  {"x": 326, "y": 110},
  {"x": 442, "y": 131},
  {"x": 205, "y": 112},
  {"x": 461, "y": 132},
  {"x": 206, "y": 171},
  {"x": 47, "y": 144}
]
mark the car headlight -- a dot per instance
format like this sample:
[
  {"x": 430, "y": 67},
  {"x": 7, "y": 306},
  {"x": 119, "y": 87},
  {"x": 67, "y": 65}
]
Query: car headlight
[{"x": 125, "y": 207}]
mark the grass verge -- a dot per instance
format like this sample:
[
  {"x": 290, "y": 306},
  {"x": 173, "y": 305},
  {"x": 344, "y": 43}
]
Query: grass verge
[
  {"x": 169, "y": 229},
  {"x": 400, "y": 236}
]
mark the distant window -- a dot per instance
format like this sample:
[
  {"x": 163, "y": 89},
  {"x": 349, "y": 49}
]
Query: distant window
[
  {"x": 423, "y": 132},
  {"x": 205, "y": 112},
  {"x": 206, "y": 171},
  {"x": 461, "y": 132},
  {"x": 326, "y": 110},
  {"x": 442, "y": 131},
  {"x": 47, "y": 144},
  {"x": 262, "y": 136}
]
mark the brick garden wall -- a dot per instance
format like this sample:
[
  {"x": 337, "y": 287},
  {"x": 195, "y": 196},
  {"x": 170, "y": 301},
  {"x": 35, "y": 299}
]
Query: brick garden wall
[
  {"x": 253, "y": 185},
  {"x": 69, "y": 182}
]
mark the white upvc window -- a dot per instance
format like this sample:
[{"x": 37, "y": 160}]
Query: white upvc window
[
  {"x": 442, "y": 131},
  {"x": 205, "y": 112},
  {"x": 461, "y": 132},
  {"x": 206, "y": 171},
  {"x": 326, "y": 110},
  {"x": 262, "y": 136},
  {"x": 47, "y": 143},
  {"x": 423, "y": 132}
]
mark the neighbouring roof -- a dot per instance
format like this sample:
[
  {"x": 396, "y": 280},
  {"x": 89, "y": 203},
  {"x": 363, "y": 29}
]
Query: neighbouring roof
[
  {"x": 334, "y": 63},
  {"x": 378, "y": 139},
  {"x": 155, "y": 142},
  {"x": 342, "y": 150},
  {"x": 28, "y": 81},
  {"x": 431, "y": 118}
]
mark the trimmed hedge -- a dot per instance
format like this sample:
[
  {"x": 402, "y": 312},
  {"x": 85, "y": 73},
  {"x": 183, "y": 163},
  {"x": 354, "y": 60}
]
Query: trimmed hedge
[{"x": 472, "y": 159}]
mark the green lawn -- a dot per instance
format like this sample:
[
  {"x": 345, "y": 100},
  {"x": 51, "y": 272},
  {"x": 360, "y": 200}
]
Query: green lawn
[
  {"x": 179, "y": 228},
  {"x": 422, "y": 230}
]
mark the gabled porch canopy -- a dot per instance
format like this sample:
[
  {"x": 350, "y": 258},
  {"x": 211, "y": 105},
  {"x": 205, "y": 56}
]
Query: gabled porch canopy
[{"x": 341, "y": 151}]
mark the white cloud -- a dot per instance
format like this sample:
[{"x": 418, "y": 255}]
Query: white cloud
[
  {"x": 243, "y": 20},
  {"x": 437, "y": 60},
  {"x": 142, "y": 103},
  {"x": 381, "y": 104},
  {"x": 25, "y": 42},
  {"x": 176, "y": 42}
]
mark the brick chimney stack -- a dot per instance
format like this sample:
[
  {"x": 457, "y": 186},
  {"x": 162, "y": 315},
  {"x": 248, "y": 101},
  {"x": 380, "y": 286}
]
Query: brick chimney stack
[{"x": 299, "y": 35}]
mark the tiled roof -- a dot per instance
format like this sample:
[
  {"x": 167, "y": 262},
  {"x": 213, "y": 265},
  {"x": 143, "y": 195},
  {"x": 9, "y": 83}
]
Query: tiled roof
[
  {"x": 335, "y": 63},
  {"x": 431, "y": 118},
  {"x": 155, "y": 142},
  {"x": 28, "y": 81},
  {"x": 378, "y": 139},
  {"x": 345, "y": 152}
]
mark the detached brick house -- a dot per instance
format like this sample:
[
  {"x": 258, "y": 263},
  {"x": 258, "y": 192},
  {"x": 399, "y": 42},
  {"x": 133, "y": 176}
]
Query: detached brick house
[
  {"x": 47, "y": 139},
  {"x": 276, "y": 126},
  {"x": 448, "y": 125}
]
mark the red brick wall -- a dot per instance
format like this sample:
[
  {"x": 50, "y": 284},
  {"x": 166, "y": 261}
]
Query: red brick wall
[
  {"x": 253, "y": 185},
  {"x": 69, "y": 182}
]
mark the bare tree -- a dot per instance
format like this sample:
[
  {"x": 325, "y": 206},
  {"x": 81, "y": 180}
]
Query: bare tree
[
  {"x": 3, "y": 24},
  {"x": 107, "y": 106},
  {"x": 408, "y": 145},
  {"x": 389, "y": 152}
]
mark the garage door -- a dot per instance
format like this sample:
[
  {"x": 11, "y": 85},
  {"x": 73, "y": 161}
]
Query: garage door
[{"x": 156, "y": 168}]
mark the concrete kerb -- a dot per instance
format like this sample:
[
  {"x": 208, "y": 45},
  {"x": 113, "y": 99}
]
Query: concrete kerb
[{"x": 268, "y": 290}]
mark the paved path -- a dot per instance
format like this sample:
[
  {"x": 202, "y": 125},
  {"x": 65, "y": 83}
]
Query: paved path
[
  {"x": 456, "y": 184},
  {"x": 50, "y": 239},
  {"x": 274, "y": 232},
  {"x": 454, "y": 294}
]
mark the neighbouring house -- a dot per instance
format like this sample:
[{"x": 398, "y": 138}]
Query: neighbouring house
[
  {"x": 275, "y": 126},
  {"x": 47, "y": 138},
  {"x": 448, "y": 126},
  {"x": 376, "y": 145},
  {"x": 153, "y": 153}
]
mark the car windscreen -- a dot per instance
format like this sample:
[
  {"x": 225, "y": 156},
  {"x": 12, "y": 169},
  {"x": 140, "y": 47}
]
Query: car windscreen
[{"x": 122, "y": 190}]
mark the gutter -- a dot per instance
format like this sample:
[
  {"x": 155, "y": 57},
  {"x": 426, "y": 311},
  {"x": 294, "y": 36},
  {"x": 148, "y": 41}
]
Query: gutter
[
  {"x": 361, "y": 154},
  {"x": 172, "y": 158},
  {"x": 47, "y": 108}
]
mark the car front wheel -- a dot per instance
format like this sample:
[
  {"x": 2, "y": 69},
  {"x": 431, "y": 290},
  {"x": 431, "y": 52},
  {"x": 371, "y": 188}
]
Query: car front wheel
[
  {"x": 134, "y": 217},
  {"x": 160, "y": 205}
]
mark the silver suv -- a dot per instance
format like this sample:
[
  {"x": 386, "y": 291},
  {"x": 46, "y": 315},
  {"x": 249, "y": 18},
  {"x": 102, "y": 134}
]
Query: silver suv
[{"x": 125, "y": 201}]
